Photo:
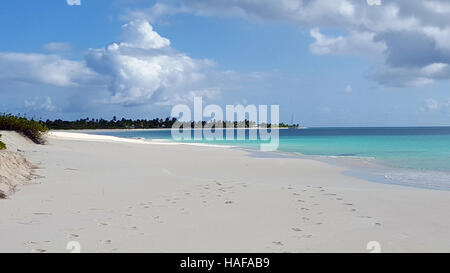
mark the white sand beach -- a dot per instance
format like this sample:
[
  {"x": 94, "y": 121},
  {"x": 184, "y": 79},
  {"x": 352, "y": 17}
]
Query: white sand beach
[{"x": 116, "y": 195}]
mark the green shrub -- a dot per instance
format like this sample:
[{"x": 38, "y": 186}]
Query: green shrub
[
  {"x": 2, "y": 145},
  {"x": 29, "y": 128}
]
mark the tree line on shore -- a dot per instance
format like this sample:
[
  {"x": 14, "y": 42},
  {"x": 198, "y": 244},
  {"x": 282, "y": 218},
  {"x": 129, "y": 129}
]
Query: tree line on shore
[
  {"x": 34, "y": 129},
  {"x": 156, "y": 123}
]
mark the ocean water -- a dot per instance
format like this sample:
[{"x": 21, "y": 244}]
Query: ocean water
[{"x": 412, "y": 156}]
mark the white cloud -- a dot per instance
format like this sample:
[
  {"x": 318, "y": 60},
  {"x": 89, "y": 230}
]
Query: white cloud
[
  {"x": 431, "y": 105},
  {"x": 374, "y": 2},
  {"x": 41, "y": 68},
  {"x": 438, "y": 6},
  {"x": 143, "y": 65},
  {"x": 406, "y": 35},
  {"x": 140, "y": 34},
  {"x": 141, "y": 68},
  {"x": 357, "y": 43},
  {"x": 170, "y": 99},
  {"x": 73, "y": 2},
  {"x": 40, "y": 104},
  {"x": 57, "y": 47},
  {"x": 434, "y": 69}
]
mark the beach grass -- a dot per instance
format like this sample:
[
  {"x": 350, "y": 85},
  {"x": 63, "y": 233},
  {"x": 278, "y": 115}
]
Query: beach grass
[
  {"x": 28, "y": 127},
  {"x": 2, "y": 145}
]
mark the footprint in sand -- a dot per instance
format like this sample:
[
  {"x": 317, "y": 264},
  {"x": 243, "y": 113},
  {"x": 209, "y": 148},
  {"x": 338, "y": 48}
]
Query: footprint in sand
[
  {"x": 28, "y": 223},
  {"x": 43, "y": 213}
]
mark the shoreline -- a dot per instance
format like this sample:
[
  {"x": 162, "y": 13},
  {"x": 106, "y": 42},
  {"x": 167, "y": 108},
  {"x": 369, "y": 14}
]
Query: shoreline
[
  {"x": 359, "y": 167},
  {"x": 158, "y": 129},
  {"x": 116, "y": 196}
]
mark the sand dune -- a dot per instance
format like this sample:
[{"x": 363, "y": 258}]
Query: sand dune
[
  {"x": 118, "y": 196},
  {"x": 15, "y": 170}
]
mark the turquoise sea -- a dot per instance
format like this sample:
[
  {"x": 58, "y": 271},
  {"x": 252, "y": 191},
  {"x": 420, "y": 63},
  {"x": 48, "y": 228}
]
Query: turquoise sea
[{"x": 412, "y": 156}]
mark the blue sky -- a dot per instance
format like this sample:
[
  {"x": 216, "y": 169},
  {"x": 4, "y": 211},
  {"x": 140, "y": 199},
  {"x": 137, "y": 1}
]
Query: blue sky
[{"x": 327, "y": 63}]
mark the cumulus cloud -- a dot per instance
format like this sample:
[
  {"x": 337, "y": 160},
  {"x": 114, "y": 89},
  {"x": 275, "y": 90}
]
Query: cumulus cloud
[
  {"x": 140, "y": 34},
  {"x": 144, "y": 64},
  {"x": 140, "y": 68},
  {"x": 407, "y": 35}
]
